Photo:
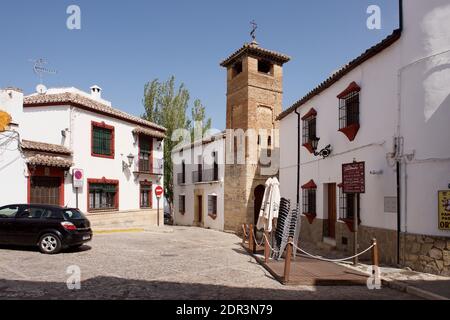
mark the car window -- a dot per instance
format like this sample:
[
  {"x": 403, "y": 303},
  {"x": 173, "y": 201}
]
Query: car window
[
  {"x": 73, "y": 214},
  {"x": 9, "y": 212}
]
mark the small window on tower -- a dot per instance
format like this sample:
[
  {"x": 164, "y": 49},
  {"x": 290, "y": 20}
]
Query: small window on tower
[
  {"x": 237, "y": 68},
  {"x": 265, "y": 67}
]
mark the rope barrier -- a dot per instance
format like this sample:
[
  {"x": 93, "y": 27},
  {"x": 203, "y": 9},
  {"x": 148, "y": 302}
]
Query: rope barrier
[
  {"x": 331, "y": 260},
  {"x": 265, "y": 239}
]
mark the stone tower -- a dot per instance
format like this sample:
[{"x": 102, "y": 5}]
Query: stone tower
[{"x": 254, "y": 100}]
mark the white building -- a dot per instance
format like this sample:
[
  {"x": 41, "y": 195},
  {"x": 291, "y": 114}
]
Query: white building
[
  {"x": 199, "y": 183},
  {"x": 389, "y": 108},
  {"x": 119, "y": 156}
]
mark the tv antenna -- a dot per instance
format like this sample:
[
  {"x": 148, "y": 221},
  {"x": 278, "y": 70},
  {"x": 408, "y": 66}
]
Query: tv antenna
[{"x": 39, "y": 69}]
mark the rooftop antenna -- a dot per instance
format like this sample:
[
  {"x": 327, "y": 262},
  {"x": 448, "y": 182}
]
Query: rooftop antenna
[
  {"x": 253, "y": 32},
  {"x": 40, "y": 70}
]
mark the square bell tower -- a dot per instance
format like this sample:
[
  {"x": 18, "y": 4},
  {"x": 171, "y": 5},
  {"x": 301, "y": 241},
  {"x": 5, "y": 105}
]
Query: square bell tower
[{"x": 254, "y": 101}]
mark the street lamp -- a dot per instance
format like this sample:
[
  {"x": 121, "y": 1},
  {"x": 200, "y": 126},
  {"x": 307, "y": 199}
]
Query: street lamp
[
  {"x": 130, "y": 159},
  {"x": 325, "y": 153}
]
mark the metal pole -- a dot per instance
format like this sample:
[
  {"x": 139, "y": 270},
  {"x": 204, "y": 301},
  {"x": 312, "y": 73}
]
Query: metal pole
[
  {"x": 158, "y": 211},
  {"x": 355, "y": 229},
  {"x": 76, "y": 190}
]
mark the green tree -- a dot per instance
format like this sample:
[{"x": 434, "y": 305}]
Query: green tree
[{"x": 167, "y": 106}]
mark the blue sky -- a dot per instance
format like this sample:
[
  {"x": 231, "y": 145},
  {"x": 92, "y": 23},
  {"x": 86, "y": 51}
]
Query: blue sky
[{"x": 124, "y": 44}]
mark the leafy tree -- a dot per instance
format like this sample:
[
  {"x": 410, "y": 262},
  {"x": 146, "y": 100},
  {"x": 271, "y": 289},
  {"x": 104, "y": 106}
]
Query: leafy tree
[{"x": 167, "y": 106}]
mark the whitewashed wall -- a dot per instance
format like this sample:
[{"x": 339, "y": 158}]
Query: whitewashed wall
[
  {"x": 215, "y": 188},
  {"x": 424, "y": 112},
  {"x": 13, "y": 181}
]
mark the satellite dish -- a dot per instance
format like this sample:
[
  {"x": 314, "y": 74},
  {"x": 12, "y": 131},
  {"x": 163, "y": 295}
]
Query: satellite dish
[{"x": 41, "y": 89}]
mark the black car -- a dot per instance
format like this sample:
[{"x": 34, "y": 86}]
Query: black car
[{"x": 51, "y": 228}]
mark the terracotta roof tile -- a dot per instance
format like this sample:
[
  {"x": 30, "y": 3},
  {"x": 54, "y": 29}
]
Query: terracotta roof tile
[
  {"x": 149, "y": 132},
  {"x": 373, "y": 51},
  {"x": 254, "y": 49},
  {"x": 46, "y": 147},
  {"x": 49, "y": 161},
  {"x": 88, "y": 104}
]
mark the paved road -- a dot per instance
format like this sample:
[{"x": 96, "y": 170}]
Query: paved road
[{"x": 190, "y": 263}]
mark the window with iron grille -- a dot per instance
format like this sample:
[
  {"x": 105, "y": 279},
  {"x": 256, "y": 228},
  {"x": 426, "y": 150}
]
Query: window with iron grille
[
  {"x": 347, "y": 205},
  {"x": 182, "y": 204},
  {"x": 146, "y": 195},
  {"x": 212, "y": 205},
  {"x": 309, "y": 201},
  {"x": 145, "y": 153},
  {"x": 349, "y": 110},
  {"x": 102, "y": 140},
  {"x": 309, "y": 129},
  {"x": 102, "y": 196}
]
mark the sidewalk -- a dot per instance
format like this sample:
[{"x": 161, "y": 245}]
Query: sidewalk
[{"x": 424, "y": 285}]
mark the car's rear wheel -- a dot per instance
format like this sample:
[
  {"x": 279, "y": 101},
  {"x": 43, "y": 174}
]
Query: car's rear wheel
[{"x": 50, "y": 244}]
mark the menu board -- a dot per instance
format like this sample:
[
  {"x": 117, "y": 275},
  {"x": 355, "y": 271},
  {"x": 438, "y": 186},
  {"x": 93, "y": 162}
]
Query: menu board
[{"x": 354, "y": 177}]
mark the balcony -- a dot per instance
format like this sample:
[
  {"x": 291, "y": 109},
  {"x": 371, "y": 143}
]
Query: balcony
[
  {"x": 205, "y": 176},
  {"x": 144, "y": 167}
]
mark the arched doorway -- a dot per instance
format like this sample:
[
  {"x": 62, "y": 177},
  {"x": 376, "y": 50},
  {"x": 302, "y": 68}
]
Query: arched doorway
[{"x": 259, "y": 195}]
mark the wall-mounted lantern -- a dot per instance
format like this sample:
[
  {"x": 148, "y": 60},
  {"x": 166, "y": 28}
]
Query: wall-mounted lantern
[
  {"x": 325, "y": 153},
  {"x": 130, "y": 162}
]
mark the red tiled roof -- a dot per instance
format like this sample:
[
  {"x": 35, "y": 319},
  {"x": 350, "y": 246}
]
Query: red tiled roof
[
  {"x": 373, "y": 51},
  {"x": 45, "y": 147},
  {"x": 49, "y": 161},
  {"x": 87, "y": 104},
  {"x": 149, "y": 132},
  {"x": 254, "y": 49}
]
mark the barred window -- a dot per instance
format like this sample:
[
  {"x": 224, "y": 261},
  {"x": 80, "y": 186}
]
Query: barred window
[
  {"x": 347, "y": 204},
  {"x": 145, "y": 153},
  {"x": 102, "y": 196},
  {"x": 102, "y": 140},
  {"x": 212, "y": 205},
  {"x": 146, "y": 195},
  {"x": 309, "y": 129},
  {"x": 349, "y": 110},
  {"x": 182, "y": 204},
  {"x": 309, "y": 201}
]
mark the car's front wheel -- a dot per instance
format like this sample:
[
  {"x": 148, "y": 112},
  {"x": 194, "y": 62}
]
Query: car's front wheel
[{"x": 50, "y": 244}]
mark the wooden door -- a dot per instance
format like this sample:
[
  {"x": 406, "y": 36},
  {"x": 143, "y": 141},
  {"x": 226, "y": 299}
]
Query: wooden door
[
  {"x": 200, "y": 209},
  {"x": 332, "y": 210},
  {"x": 45, "y": 190}
]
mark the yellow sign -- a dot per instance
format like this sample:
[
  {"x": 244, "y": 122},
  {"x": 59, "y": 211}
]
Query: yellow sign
[
  {"x": 444, "y": 210},
  {"x": 5, "y": 120}
]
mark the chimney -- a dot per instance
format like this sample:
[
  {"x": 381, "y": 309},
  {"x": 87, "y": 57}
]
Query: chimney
[{"x": 96, "y": 92}]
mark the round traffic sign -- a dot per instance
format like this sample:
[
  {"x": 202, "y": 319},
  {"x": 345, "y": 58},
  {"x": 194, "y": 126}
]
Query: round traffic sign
[
  {"x": 78, "y": 175},
  {"x": 159, "y": 191}
]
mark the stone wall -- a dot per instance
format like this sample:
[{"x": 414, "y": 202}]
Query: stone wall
[
  {"x": 313, "y": 232},
  {"x": 125, "y": 219},
  {"x": 426, "y": 254}
]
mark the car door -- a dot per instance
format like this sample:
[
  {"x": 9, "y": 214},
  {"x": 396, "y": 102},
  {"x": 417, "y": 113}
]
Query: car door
[
  {"x": 7, "y": 218},
  {"x": 28, "y": 224}
]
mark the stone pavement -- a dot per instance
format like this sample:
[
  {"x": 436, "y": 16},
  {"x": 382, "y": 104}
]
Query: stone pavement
[{"x": 188, "y": 263}]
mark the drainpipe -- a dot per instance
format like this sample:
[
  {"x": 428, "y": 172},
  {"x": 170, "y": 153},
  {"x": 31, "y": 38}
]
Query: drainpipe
[
  {"x": 400, "y": 11},
  {"x": 299, "y": 136}
]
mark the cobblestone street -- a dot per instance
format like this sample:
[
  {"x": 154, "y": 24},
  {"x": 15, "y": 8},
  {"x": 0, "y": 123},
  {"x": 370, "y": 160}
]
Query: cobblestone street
[{"x": 189, "y": 263}]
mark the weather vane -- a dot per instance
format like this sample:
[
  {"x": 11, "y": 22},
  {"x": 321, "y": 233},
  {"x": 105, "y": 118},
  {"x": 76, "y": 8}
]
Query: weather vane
[
  {"x": 253, "y": 33},
  {"x": 39, "y": 68}
]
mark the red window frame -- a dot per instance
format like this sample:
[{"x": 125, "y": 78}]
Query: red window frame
[
  {"x": 103, "y": 181},
  {"x": 151, "y": 152},
  {"x": 103, "y": 125},
  {"x": 150, "y": 194}
]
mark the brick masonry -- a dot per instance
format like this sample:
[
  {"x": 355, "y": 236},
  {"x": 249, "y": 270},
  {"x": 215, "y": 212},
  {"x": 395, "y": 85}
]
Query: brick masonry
[{"x": 254, "y": 100}]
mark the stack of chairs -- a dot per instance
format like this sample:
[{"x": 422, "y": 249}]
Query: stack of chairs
[{"x": 287, "y": 226}]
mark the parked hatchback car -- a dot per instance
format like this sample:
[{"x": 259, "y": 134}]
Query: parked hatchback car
[{"x": 51, "y": 228}]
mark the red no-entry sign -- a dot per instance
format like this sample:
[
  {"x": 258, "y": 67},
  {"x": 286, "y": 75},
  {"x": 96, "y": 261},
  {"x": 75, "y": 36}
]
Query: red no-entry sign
[{"x": 159, "y": 191}]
